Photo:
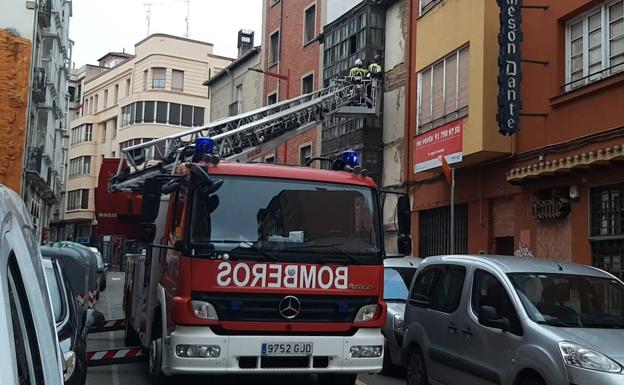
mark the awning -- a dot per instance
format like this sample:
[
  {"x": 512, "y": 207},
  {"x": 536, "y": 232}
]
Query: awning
[{"x": 579, "y": 161}]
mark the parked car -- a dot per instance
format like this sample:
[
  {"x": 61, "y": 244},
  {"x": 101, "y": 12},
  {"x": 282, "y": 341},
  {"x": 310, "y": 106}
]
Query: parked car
[
  {"x": 30, "y": 352},
  {"x": 513, "y": 321},
  {"x": 398, "y": 274},
  {"x": 86, "y": 263},
  {"x": 101, "y": 269}
]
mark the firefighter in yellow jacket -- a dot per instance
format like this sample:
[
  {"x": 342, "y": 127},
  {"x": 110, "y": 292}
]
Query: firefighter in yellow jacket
[
  {"x": 375, "y": 70},
  {"x": 358, "y": 72}
]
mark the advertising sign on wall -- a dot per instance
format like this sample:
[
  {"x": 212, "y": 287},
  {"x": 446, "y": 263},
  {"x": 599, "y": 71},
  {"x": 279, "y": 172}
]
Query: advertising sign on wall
[
  {"x": 444, "y": 141},
  {"x": 509, "y": 63}
]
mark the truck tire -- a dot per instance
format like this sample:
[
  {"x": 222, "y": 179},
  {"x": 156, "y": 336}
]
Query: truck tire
[
  {"x": 131, "y": 338},
  {"x": 157, "y": 377},
  {"x": 337, "y": 379}
]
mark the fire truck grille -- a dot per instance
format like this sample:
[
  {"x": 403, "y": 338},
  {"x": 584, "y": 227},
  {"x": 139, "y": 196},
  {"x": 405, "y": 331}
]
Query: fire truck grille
[{"x": 265, "y": 307}]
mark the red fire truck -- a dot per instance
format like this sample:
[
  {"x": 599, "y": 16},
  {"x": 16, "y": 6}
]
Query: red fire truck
[{"x": 256, "y": 268}]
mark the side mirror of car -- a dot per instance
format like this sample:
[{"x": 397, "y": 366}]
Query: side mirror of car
[
  {"x": 488, "y": 316},
  {"x": 94, "y": 319}
]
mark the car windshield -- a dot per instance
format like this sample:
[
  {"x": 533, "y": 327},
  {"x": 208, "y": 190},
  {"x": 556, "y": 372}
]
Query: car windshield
[
  {"x": 286, "y": 216},
  {"x": 397, "y": 281},
  {"x": 55, "y": 294},
  {"x": 571, "y": 300}
]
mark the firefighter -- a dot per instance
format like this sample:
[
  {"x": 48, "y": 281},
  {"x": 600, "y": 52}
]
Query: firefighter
[
  {"x": 359, "y": 71},
  {"x": 374, "y": 69}
]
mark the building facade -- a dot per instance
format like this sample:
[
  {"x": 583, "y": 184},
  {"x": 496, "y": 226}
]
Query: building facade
[
  {"x": 153, "y": 93},
  {"x": 553, "y": 190},
  {"x": 46, "y": 24},
  {"x": 238, "y": 89},
  {"x": 291, "y": 49}
]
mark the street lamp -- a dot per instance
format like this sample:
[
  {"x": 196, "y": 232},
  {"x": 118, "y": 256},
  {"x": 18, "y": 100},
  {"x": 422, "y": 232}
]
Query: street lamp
[{"x": 276, "y": 75}]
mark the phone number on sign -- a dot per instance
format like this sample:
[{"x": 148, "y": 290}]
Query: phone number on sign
[{"x": 436, "y": 136}]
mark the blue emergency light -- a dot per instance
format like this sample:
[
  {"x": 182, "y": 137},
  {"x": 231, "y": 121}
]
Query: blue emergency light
[
  {"x": 204, "y": 146},
  {"x": 351, "y": 158}
]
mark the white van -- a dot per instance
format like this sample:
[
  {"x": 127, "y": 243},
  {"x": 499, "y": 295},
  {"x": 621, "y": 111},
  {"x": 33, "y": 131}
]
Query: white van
[{"x": 26, "y": 324}]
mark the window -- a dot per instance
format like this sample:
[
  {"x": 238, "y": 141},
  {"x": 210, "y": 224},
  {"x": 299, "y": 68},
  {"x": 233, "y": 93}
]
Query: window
[
  {"x": 105, "y": 99},
  {"x": 307, "y": 84},
  {"x": 80, "y": 134},
  {"x": 80, "y": 166},
  {"x": 443, "y": 91},
  {"x": 487, "y": 290},
  {"x": 56, "y": 293},
  {"x": 187, "y": 115},
  {"x": 269, "y": 158},
  {"x": 128, "y": 86},
  {"x": 161, "y": 112},
  {"x": 138, "y": 112},
  {"x": 145, "y": 77},
  {"x": 309, "y": 24},
  {"x": 86, "y": 107},
  {"x": 426, "y": 5},
  {"x": 198, "y": 116},
  {"x": 607, "y": 226},
  {"x": 78, "y": 199},
  {"x": 177, "y": 80},
  {"x": 272, "y": 99},
  {"x": 174, "y": 113},
  {"x": 158, "y": 78},
  {"x": 447, "y": 289},
  {"x": 95, "y": 104},
  {"x": 116, "y": 94},
  {"x": 29, "y": 367},
  {"x": 305, "y": 154},
  {"x": 148, "y": 114},
  {"x": 274, "y": 48},
  {"x": 595, "y": 44},
  {"x": 421, "y": 293},
  {"x": 273, "y": 2}
]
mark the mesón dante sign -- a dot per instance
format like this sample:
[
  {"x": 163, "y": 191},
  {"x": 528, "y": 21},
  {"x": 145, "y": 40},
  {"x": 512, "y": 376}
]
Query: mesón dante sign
[{"x": 509, "y": 63}]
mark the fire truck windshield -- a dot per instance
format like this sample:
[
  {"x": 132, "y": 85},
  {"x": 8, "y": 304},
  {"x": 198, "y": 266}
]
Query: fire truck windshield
[{"x": 286, "y": 216}]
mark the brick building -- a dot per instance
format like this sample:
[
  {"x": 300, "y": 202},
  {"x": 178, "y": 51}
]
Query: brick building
[
  {"x": 290, "y": 30},
  {"x": 553, "y": 190}
]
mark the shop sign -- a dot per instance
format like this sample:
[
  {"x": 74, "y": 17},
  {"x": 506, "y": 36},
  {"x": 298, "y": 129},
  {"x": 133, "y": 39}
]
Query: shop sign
[
  {"x": 509, "y": 63},
  {"x": 550, "y": 209},
  {"x": 444, "y": 141}
]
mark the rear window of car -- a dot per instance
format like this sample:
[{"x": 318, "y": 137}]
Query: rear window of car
[{"x": 55, "y": 294}]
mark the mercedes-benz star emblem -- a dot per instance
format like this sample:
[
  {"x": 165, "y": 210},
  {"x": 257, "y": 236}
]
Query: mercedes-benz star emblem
[{"x": 289, "y": 307}]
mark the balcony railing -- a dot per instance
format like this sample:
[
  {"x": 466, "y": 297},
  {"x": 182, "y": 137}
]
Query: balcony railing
[
  {"x": 44, "y": 185},
  {"x": 39, "y": 84},
  {"x": 236, "y": 108},
  {"x": 45, "y": 13}
]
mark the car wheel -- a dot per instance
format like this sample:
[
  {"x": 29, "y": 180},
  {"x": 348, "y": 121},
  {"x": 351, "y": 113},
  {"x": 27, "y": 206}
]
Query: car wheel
[
  {"x": 416, "y": 369},
  {"x": 337, "y": 379},
  {"x": 532, "y": 381}
]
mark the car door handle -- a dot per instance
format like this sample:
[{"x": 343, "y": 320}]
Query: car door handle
[
  {"x": 467, "y": 333},
  {"x": 452, "y": 328}
]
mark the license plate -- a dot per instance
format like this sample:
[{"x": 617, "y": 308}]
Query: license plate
[{"x": 287, "y": 349}]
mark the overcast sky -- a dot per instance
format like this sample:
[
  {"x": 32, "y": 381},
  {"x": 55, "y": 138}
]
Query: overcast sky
[{"x": 101, "y": 26}]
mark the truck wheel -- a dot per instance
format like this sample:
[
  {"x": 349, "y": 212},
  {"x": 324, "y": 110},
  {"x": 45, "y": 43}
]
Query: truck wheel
[
  {"x": 337, "y": 379},
  {"x": 131, "y": 338},
  {"x": 157, "y": 377}
]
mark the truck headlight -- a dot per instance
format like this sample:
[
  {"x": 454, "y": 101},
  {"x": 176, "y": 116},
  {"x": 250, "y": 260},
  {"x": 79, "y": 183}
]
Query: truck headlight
[
  {"x": 198, "y": 351},
  {"x": 366, "y": 313},
  {"x": 582, "y": 357},
  {"x": 204, "y": 310},
  {"x": 397, "y": 324}
]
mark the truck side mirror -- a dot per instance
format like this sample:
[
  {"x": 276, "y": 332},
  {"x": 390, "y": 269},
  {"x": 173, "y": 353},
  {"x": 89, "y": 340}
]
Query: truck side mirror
[
  {"x": 404, "y": 215},
  {"x": 404, "y": 244},
  {"x": 150, "y": 204}
]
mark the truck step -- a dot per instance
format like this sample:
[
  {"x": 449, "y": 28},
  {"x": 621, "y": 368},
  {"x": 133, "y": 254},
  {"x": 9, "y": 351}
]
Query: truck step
[
  {"x": 109, "y": 326},
  {"x": 126, "y": 355}
]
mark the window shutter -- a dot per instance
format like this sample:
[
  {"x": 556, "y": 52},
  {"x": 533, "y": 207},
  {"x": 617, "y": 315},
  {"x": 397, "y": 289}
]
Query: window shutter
[
  {"x": 464, "y": 71},
  {"x": 450, "y": 102},
  {"x": 425, "y": 98},
  {"x": 438, "y": 91}
]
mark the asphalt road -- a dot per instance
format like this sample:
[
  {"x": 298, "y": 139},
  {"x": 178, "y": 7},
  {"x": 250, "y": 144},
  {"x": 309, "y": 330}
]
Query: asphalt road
[{"x": 110, "y": 304}]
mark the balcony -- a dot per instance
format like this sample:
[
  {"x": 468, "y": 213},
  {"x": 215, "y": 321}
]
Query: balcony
[
  {"x": 236, "y": 108},
  {"x": 44, "y": 13},
  {"x": 34, "y": 177},
  {"x": 39, "y": 85}
]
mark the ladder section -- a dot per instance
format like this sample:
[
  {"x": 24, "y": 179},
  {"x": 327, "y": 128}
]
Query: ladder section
[{"x": 246, "y": 136}]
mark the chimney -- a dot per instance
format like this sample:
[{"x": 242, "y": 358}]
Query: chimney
[{"x": 245, "y": 41}]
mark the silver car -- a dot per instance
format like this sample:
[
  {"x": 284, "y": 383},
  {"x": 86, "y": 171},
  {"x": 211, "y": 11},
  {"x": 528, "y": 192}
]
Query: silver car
[
  {"x": 513, "y": 321},
  {"x": 398, "y": 274}
]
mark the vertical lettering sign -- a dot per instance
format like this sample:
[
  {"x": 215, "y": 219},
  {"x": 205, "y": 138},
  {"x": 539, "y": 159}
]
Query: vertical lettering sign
[{"x": 510, "y": 74}]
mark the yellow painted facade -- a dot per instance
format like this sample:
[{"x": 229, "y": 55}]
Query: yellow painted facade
[{"x": 444, "y": 29}]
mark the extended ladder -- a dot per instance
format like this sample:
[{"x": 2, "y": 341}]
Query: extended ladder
[{"x": 249, "y": 135}]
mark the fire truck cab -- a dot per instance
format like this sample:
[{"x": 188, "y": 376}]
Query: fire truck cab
[{"x": 261, "y": 268}]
